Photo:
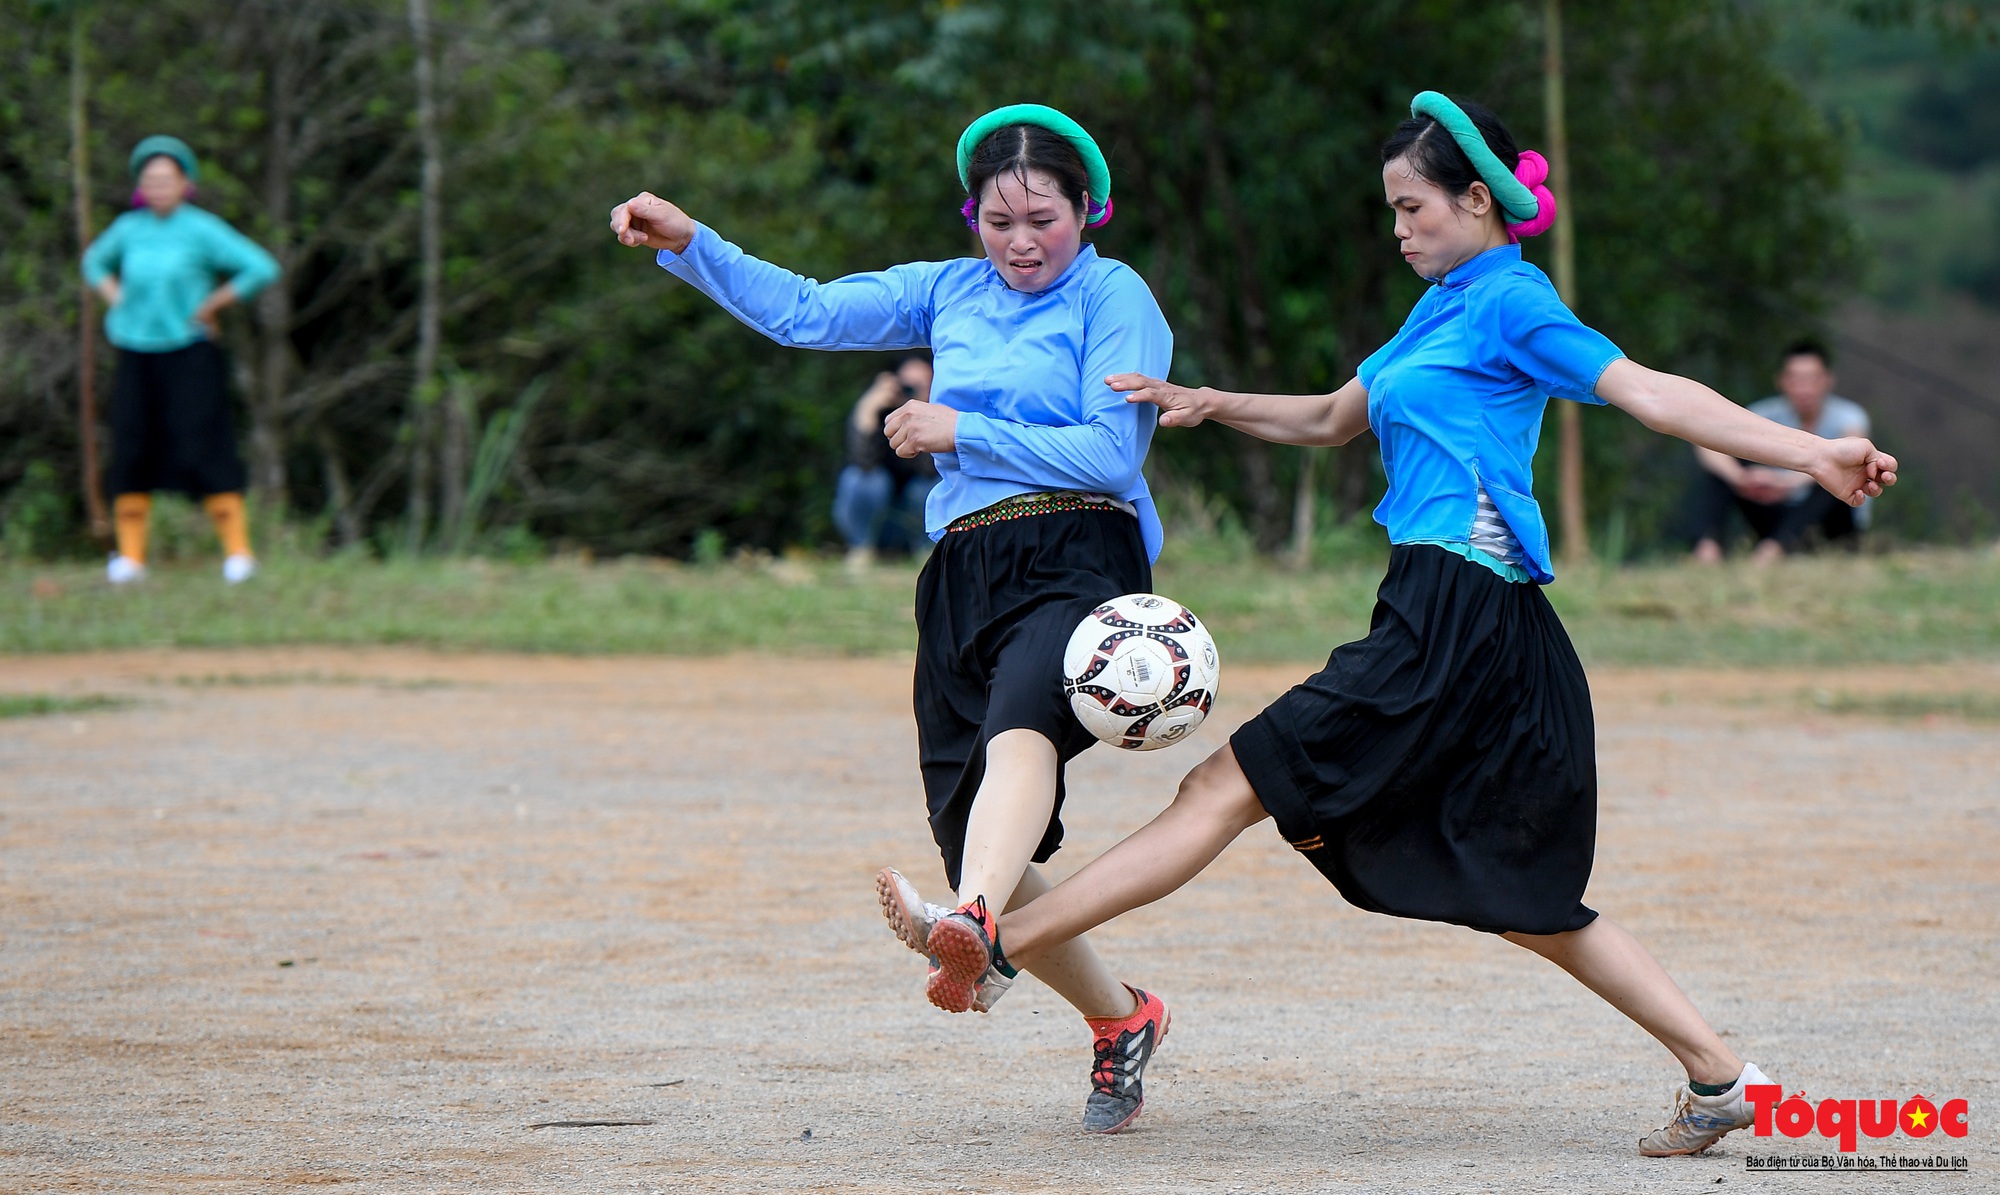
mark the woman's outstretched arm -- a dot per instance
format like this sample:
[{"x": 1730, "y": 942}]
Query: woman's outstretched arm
[
  {"x": 889, "y": 309},
  {"x": 1313, "y": 419},
  {"x": 1851, "y": 468}
]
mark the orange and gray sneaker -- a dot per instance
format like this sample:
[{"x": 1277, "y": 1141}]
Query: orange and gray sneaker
[
  {"x": 1701, "y": 1120},
  {"x": 911, "y": 918},
  {"x": 1122, "y": 1046},
  {"x": 964, "y": 947}
]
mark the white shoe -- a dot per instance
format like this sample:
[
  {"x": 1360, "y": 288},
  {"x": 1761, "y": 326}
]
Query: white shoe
[
  {"x": 1701, "y": 1120},
  {"x": 238, "y": 569},
  {"x": 910, "y": 916},
  {"x": 123, "y": 570}
]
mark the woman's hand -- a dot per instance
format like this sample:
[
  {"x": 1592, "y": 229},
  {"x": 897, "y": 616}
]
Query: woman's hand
[
  {"x": 917, "y": 427},
  {"x": 204, "y": 315},
  {"x": 1179, "y": 406},
  {"x": 1854, "y": 470},
  {"x": 111, "y": 291},
  {"x": 648, "y": 221}
]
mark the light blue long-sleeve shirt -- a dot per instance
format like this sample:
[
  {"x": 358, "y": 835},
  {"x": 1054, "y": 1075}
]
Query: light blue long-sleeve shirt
[
  {"x": 1024, "y": 371},
  {"x": 166, "y": 265}
]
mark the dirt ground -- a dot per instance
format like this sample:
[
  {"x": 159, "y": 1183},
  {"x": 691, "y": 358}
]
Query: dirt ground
[{"x": 334, "y": 917}]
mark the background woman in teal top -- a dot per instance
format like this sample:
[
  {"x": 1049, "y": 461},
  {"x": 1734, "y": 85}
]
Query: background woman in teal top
[
  {"x": 166, "y": 270},
  {"x": 1040, "y": 514},
  {"x": 1444, "y": 767}
]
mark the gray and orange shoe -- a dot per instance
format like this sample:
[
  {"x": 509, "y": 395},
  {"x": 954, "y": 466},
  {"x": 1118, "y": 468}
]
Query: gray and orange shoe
[
  {"x": 1121, "y": 1048},
  {"x": 968, "y": 970},
  {"x": 1700, "y": 1121},
  {"x": 911, "y": 918}
]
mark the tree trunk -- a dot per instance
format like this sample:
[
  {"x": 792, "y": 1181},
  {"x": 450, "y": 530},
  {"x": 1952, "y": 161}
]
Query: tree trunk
[
  {"x": 1305, "y": 508},
  {"x": 339, "y": 494},
  {"x": 1357, "y": 462},
  {"x": 454, "y": 459},
  {"x": 1575, "y": 528},
  {"x": 423, "y": 386},
  {"x": 1266, "y": 504},
  {"x": 274, "y": 305},
  {"x": 86, "y": 360}
]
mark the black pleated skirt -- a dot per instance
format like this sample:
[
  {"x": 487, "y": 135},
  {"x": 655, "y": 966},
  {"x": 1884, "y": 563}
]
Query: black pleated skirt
[
  {"x": 996, "y": 606},
  {"x": 1445, "y": 767},
  {"x": 170, "y": 425}
]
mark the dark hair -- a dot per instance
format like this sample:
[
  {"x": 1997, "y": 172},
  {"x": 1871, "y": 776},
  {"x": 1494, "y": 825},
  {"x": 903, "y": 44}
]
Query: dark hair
[
  {"x": 1018, "y": 148},
  {"x": 1806, "y": 346},
  {"x": 1434, "y": 154}
]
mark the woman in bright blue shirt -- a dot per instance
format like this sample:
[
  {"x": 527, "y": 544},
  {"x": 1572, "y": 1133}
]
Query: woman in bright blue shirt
[
  {"x": 1040, "y": 513},
  {"x": 1444, "y": 767},
  {"x": 166, "y": 270}
]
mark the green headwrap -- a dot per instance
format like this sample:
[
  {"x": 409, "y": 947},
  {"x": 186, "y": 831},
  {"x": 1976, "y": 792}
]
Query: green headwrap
[
  {"x": 161, "y": 145},
  {"x": 1043, "y": 116},
  {"x": 1513, "y": 196}
]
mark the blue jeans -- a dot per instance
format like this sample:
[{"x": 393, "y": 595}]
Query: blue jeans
[{"x": 869, "y": 513}]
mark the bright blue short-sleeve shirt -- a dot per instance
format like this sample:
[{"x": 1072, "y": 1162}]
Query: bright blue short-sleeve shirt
[
  {"x": 1024, "y": 371},
  {"x": 1456, "y": 398}
]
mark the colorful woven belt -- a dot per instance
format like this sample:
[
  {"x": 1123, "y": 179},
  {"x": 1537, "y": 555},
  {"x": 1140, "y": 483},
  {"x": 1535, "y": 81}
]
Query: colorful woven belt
[{"x": 1042, "y": 502}]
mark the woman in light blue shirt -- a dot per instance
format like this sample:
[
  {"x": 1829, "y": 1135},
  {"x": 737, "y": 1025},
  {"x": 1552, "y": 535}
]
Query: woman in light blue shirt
[
  {"x": 1444, "y": 767},
  {"x": 1040, "y": 513},
  {"x": 166, "y": 270}
]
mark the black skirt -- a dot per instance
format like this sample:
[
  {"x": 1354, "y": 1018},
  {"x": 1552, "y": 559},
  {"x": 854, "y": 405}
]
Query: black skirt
[
  {"x": 170, "y": 426},
  {"x": 996, "y": 606},
  {"x": 1445, "y": 767}
]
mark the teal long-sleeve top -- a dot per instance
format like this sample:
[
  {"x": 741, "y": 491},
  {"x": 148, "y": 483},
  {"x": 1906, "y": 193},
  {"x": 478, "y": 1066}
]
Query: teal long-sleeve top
[
  {"x": 166, "y": 265},
  {"x": 1025, "y": 372}
]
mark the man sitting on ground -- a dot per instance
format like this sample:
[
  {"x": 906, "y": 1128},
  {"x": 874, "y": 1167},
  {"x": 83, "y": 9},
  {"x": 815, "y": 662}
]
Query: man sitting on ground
[{"x": 1784, "y": 509}]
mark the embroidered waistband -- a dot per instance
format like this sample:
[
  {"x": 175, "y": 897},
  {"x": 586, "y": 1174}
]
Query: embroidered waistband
[{"x": 1040, "y": 502}]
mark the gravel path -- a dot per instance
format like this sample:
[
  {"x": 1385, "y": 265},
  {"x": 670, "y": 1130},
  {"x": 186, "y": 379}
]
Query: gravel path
[{"x": 333, "y": 917}]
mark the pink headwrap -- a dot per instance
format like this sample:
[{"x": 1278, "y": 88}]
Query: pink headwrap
[{"x": 1533, "y": 173}]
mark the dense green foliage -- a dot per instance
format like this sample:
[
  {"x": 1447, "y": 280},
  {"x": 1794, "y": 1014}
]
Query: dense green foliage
[{"x": 584, "y": 397}]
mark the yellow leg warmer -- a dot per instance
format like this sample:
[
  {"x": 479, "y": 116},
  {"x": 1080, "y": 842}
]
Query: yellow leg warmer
[
  {"x": 130, "y": 516},
  {"x": 226, "y": 512}
]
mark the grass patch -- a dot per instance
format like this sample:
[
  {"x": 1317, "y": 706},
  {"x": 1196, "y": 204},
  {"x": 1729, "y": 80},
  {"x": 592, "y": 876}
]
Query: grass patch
[
  {"x": 36, "y": 705},
  {"x": 1977, "y": 706},
  {"x": 242, "y": 680},
  {"x": 1916, "y": 607}
]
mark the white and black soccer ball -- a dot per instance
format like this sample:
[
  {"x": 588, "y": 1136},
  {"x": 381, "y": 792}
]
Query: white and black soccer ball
[{"x": 1141, "y": 671}]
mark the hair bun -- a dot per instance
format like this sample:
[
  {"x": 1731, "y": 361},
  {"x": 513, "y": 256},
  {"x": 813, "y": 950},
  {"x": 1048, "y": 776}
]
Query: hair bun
[
  {"x": 1533, "y": 173},
  {"x": 1533, "y": 170}
]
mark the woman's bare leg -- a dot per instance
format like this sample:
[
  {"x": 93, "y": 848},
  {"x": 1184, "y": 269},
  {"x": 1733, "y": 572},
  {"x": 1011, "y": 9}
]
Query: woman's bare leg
[
  {"x": 1073, "y": 968},
  {"x": 1609, "y": 961},
  {"x": 1009, "y": 815},
  {"x": 1215, "y": 804}
]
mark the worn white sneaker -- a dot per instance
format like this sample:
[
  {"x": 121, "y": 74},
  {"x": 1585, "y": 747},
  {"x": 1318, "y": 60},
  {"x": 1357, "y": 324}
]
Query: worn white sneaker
[
  {"x": 123, "y": 570},
  {"x": 1701, "y": 1120},
  {"x": 238, "y": 569},
  {"x": 911, "y": 917}
]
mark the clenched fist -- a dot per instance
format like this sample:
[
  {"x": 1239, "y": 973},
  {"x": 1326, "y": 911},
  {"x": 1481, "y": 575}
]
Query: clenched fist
[{"x": 648, "y": 221}]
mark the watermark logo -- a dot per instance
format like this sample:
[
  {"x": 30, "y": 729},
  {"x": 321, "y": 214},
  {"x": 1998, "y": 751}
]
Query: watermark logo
[{"x": 1849, "y": 1120}]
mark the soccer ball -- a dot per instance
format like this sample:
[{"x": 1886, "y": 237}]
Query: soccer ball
[{"x": 1141, "y": 671}]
